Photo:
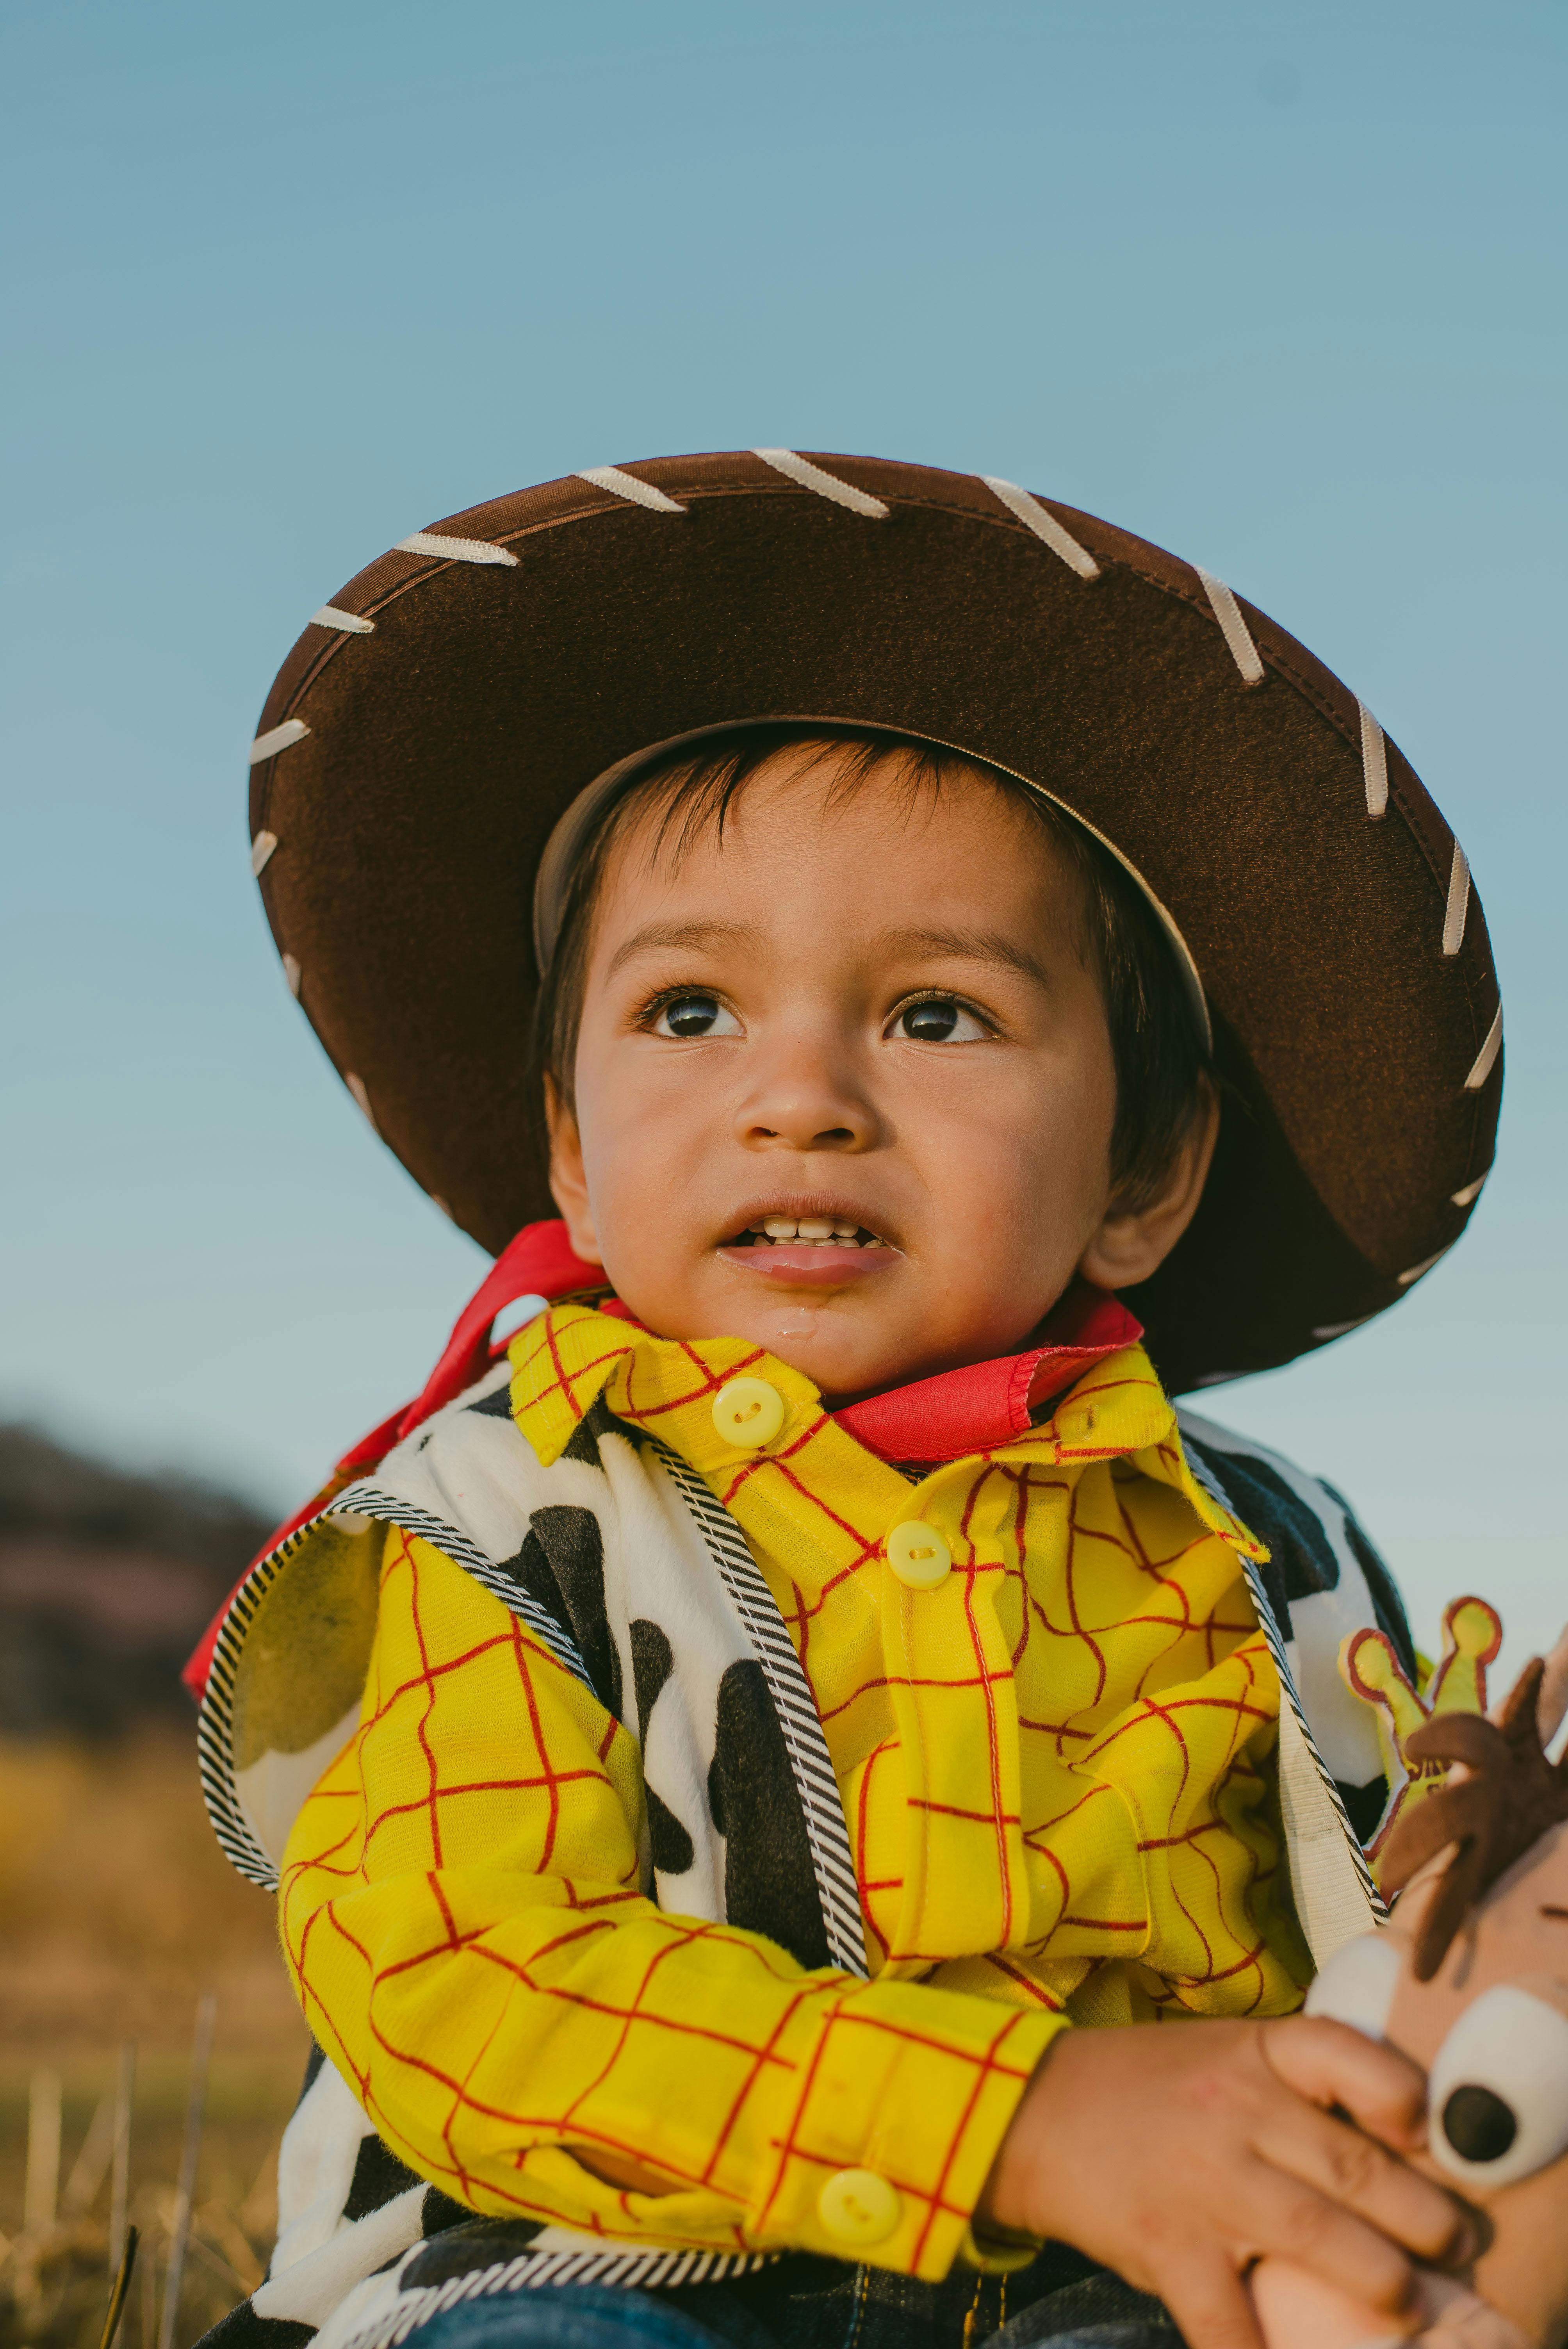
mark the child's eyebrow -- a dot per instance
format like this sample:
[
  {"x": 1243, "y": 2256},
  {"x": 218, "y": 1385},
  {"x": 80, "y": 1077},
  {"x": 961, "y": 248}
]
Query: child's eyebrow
[
  {"x": 970, "y": 946},
  {"x": 692, "y": 936},
  {"x": 898, "y": 945}
]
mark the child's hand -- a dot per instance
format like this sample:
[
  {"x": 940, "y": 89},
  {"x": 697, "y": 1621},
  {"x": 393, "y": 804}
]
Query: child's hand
[{"x": 1178, "y": 2154}]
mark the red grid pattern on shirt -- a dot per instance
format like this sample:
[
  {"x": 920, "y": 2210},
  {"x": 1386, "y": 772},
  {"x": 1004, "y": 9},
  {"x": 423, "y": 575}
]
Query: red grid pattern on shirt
[
  {"x": 1087, "y": 1632},
  {"x": 344, "y": 1995},
  {"x": 1185, "y": 1637}
]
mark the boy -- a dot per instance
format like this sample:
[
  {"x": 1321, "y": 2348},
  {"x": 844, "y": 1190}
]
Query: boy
[{"x": 723, "y": 1762}]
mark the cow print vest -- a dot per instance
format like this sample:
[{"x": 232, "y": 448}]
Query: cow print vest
[{"x": 622, "y": 1561}]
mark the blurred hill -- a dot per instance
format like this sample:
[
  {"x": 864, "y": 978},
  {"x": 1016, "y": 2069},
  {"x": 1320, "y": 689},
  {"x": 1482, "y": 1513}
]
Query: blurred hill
[
  {"x": 118, "y": 1911},
  {"x": 106, "y": 1582}
]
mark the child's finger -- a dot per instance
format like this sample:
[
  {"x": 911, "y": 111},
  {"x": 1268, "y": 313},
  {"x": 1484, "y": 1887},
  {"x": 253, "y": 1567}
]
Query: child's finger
[
  {"x": 1331, "y": 2063},
  {"x": 1290, "y": 2216},
  {"x": 1354, "y": 2170},
  {"x": 1209, "y": 2302}
]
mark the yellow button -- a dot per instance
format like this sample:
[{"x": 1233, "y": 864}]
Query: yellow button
[
  {"x": 918, "y": 1555},
  {"x": 749, "y": 1413},
  {"x": 859, "y": 2207}
]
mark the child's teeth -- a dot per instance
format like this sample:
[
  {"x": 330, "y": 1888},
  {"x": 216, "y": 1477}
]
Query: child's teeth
[{"x": 811, "y": 1231}]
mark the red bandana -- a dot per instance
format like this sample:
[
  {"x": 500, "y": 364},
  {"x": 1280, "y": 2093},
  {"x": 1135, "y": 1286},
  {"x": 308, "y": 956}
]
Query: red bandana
[{"x": 958, "y": 1412}]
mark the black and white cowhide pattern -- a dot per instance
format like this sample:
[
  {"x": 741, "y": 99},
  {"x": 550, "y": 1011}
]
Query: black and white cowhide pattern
[
  {"x": 1323, "y": 1580},
  {"x": 605, "y": 1544},
  {"x": 604, "y": 1557},
  {"x": 643, "y": 1586}
]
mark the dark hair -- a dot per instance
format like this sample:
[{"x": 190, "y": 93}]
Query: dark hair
[{"x": 1163, "y": 1076}]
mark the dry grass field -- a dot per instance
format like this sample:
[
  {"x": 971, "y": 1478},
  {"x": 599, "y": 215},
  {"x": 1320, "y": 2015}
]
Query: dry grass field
[{"x": 117, "y": 1913}]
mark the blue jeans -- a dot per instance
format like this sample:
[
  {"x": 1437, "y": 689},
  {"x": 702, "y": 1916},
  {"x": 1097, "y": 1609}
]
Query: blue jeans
[{"x": 804, "y": 2303}]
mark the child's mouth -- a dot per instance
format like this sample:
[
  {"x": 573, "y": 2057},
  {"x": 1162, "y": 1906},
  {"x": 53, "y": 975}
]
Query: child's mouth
[
  {"x": 815, "y": 1251},
  {"x": 805, "y": 1231}
]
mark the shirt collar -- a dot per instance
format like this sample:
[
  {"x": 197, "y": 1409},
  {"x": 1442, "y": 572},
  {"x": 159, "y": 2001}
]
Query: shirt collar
[
  {"x": 570, "y": 1357},
  {"x": 929, "y": 1420},
  {"x": 990, "y": 1403}
]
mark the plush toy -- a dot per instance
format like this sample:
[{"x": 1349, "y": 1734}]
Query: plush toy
[{"x": 1471, "y": 1978}]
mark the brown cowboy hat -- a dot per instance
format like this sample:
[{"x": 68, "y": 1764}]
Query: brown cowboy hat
[{"x": 436, "y": 722}]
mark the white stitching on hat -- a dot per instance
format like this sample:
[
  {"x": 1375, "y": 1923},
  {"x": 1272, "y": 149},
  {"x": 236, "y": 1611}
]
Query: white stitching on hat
[
  {"x": 1404, "y": 1278},
  {"x": 1488, "y": 1052},
  {"x": 356, "y": 1087},
  {"x": 293, "y": 974},
  {"x": 626, "y": 485},
  {"x": 279, "y": 737},
  {"x": 1343, "y": 1329},
  {"x": 826, "y": 485},
  {"x": 1045, "y": 525},
  {"x": 1458, "y": 901},
  {"x": 350, "y": 623},
  {"x": 1374, "y": 763},
  {"x": 262, "y": 848},
  {"x": 454, "y": 549},
  {"x": 1232, "y": 627},
  {"x": 1470, "y": 1193}
]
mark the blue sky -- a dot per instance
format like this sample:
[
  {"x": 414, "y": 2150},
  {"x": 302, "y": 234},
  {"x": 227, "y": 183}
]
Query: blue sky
[{"x": 1279, "y": 287}]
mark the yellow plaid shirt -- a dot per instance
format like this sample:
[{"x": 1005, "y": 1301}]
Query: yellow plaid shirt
[{"x": 1055, "y": 1769}]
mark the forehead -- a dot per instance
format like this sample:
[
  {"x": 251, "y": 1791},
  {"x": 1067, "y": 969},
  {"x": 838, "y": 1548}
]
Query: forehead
[
  {"x": 819, "y": 813},
  {"x": 1520, "y": 1928}
]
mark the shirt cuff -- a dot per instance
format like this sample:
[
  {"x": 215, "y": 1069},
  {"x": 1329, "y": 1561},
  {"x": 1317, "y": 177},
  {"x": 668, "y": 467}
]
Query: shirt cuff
[
  {"x": 886, "y": 2139},
  {"x": 992, "y": 2257}
]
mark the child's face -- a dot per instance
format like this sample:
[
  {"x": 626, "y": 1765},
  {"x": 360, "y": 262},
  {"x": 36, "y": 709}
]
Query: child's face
[{"x": 874, "y": 1015}]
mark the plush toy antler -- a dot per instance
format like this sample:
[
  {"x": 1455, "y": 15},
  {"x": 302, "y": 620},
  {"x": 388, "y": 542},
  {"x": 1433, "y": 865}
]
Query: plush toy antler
[
  {"x": 1370, "y": 1667},
  {"x": 1508, "y": 1797}
]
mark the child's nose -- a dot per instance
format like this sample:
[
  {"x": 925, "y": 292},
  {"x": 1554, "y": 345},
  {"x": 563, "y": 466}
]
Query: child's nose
[
  {"x": 798, "y": 1135},
  {"x": 806, "y": 1108}
]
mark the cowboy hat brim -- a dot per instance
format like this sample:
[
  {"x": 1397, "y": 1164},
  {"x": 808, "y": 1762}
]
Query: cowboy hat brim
[{"x": 436, "y": 722}]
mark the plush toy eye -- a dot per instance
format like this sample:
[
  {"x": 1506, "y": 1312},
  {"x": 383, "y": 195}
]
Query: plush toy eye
[
  {"x": 1357, "y": 1984},
  {"x": 1478, "y": 2124},
  {"x": 1498, "y": 2090}
]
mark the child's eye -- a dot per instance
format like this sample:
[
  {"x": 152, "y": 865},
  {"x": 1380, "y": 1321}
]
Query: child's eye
[
  {"x": 939, "y": 1019},
  {"x": 694, "y": 1015}
]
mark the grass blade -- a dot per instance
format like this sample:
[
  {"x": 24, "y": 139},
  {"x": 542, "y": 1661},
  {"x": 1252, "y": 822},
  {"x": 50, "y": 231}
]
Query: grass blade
[
  {"x": 118, "y": 2290},
  {"x": 180, "y": 2231},
  {"x": 41, "y": 2193},
  {"x": 119, "y": 2177}
]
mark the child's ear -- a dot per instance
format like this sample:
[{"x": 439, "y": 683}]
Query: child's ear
[
  {"x": 568, "y": 1181},
  {"x": 1134, "y": 1242}
]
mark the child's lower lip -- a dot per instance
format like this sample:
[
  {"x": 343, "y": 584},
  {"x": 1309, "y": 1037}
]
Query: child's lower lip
[{"x": 810, "y": 1267}]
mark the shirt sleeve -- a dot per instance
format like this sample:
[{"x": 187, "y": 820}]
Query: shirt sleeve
[{"x": 462, "y": 1915}]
